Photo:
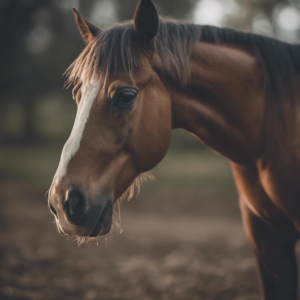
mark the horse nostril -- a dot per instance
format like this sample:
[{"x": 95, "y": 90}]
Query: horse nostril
[
  {"x": 53, "y": 210},
  {"x": 75, "y": 206}
]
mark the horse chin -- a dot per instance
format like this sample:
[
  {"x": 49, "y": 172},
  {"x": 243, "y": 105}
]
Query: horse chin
[
  {"x": 104, "y": 222},
  {"x": 106, "y": 227}
]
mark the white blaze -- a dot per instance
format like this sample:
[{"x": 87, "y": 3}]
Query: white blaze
[{"x": 89, "y": 94}]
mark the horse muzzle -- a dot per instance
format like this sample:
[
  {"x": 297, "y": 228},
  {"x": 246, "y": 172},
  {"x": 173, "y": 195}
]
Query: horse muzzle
[{"x": 78, "y": 215}]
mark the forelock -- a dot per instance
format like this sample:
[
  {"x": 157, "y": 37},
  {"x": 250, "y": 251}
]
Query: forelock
[{"x": 116, "y": 48}]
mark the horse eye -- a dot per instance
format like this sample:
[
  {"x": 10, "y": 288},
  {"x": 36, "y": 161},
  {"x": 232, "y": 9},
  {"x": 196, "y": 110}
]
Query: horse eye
[{"x": 124, "y": 98}]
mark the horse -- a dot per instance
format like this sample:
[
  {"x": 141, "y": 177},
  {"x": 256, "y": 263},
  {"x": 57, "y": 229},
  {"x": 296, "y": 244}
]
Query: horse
[{"x": 236, "y": 92}]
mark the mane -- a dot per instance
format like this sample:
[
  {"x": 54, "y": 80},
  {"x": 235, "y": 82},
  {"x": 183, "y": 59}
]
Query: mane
[{"x": 116, "y": 48}]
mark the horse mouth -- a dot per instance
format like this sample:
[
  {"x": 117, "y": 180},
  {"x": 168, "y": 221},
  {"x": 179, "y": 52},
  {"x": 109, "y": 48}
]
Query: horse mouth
[{"x": 104, "y": 222}]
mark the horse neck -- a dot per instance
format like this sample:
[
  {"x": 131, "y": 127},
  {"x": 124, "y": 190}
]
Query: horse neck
[{"x": 223, "y": 101}]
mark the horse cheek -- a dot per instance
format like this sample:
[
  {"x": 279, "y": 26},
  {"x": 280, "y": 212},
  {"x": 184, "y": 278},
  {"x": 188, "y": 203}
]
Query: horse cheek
[{"x": 152, "y": 138}]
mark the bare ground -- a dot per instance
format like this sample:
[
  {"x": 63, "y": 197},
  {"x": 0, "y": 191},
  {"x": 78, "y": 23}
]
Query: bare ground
[{"x": 177, "y": 255}]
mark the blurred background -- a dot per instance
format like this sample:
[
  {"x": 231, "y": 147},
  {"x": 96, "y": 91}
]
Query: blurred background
[{"x": 182, "y": 237}]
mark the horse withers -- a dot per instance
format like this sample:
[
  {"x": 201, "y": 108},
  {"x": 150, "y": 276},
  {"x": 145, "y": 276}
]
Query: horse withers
[{"x": 237, "y": 92}]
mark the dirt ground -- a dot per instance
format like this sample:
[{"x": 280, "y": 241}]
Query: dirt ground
[
  {"x": 156, "y": 257},
  {"x": 182, "y": 239}
]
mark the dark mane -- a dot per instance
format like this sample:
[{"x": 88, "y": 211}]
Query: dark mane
[{"x": 116, "y": 47}]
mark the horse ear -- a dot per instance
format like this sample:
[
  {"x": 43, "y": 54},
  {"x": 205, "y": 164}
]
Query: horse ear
[
  {"x": 146, "y": 21},
  {"x": 87, "y": 30}
]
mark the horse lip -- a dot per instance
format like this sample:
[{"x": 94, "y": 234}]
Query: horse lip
[{"x": 102, "y": 218}]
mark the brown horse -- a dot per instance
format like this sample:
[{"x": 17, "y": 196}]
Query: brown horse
[{"x": 237, "y": 92}]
